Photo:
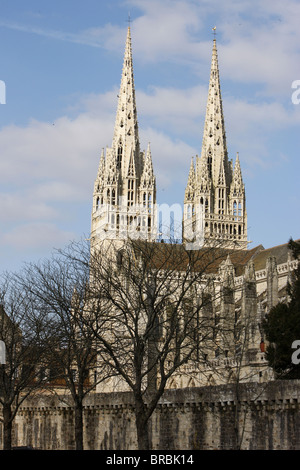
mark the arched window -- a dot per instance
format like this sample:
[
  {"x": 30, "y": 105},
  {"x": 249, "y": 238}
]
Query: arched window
[
  {"x": 130, "y": 192},
  {"x": 209, "y": 163},
  {"x": 206, "y": 206},
  {"x": 240, "y": 209},
  {"x": 119, "y": 155},
  {"x": 120, "y": 255},
  {"x": 234, "y": 208},
  {"x": 149, "y": 202}
]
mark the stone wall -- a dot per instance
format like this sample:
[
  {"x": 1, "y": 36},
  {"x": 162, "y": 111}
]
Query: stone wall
[{"x": 185, "y": 419}]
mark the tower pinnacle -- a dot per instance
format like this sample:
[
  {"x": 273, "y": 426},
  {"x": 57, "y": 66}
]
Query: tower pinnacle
[
  {"x": 125, "y": 181},
  {"x": 219, "y": 195}
]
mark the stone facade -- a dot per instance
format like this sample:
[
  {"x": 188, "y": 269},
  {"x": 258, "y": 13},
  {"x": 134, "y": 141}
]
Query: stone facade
[{"x": 185, "y": 419}]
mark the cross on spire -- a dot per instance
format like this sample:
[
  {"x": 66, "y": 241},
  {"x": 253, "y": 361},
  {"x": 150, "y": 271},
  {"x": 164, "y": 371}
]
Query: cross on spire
[{"x": 214, "y": 32}]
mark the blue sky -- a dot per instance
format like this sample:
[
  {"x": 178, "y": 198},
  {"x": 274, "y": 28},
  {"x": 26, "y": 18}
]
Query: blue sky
[{"x": 61, "y": 62}]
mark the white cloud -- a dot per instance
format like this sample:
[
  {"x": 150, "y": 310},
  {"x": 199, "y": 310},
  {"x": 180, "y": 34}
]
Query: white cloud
[
  {"x": 45, "y": 167},
  {"x": 35, "y": 236},
  {"x": 258, "y": 41}
]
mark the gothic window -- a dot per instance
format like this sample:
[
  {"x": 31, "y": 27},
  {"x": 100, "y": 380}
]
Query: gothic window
[
  {"x": 113, "y": 197},
  {"x": 144, "y": 199},
  {"x": 221, "y": 200},
  {"x": 108, "y": 196},
  {"x": 209, "y": 163},
  {"x": 206, "y": 206},
  {"x": 120, "y": 255},
  {"x": 119, "y": 155},
  {"x": 130, "y": 193},
  {"x": 97, "y": 203},
  {"x": 149, "y": 202},
  {"x": 234, "y": 208},
  {"x": 240, "y": 209}
]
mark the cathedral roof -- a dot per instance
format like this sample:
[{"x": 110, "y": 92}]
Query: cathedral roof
[
  {"x": 209, "y": 260},
  {"x": 280, "y": 252}
]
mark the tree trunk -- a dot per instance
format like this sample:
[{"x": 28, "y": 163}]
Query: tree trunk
[
  {"x": 78, "y": 426},
  {"x": 7, "y": 427},
  {"x": 141, "y": 425}
]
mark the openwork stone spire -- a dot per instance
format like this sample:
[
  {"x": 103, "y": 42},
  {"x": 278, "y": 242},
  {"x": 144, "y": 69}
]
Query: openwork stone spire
[
  {"x": 219, "y": 196},
  {"x": 126, "y": 135},
  {"x": 125, "y": 182}
]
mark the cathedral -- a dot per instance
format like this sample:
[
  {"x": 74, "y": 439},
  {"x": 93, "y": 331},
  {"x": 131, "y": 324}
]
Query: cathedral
[
  {"x": 214, "y": 215},
  {"x": 124, "y": 199}
]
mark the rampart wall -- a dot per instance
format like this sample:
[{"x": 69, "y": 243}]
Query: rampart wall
[{"x": 185, "y": 419}]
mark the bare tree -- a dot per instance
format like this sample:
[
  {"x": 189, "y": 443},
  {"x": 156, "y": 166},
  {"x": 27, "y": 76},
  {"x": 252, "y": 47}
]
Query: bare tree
[
  {"x": 57, "y": 288},
  {"x": 21, "y": 330},
  {"x": 148, "y": 304}
]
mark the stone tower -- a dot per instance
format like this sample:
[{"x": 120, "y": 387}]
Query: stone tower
[
  {"x": 215, "y": 202},
  {"x": 124, "y": 195}
]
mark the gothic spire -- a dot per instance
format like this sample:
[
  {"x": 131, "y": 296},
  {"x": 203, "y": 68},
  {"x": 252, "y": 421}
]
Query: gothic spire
[
  {"x": 148, "y": 178},
  {"x": 125, "y": 177},
  {"x": 190, "y": 187},
  {"x": 214, "y": 147},
  {"x": 125, "y": 136},
  {"x": 219, "y": 191}
]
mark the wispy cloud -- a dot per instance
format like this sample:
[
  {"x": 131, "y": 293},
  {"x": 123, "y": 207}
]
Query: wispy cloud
[{"x": 93, "y": 37}]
